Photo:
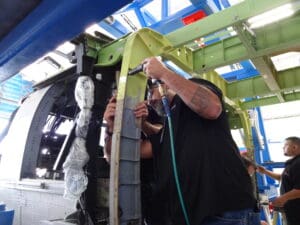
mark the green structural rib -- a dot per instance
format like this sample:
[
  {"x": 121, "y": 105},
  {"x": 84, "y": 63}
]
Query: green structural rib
[{"x": 125, "y": 154}]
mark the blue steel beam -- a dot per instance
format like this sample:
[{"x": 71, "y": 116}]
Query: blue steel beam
[
  {"x": 168, "y": 22},
  {"x": 134, "y": 5},
  {"x": 265, "y": 153},
  {"x": 211, "y": 5},
  {"x": 225, "y": 3},
  {"x": 246, "y": 72},
  {"x": 149, "y": 18},
  {"x": 218, "y": 4},
  {"x": 174, "y": 21},
  {"x": 140, "y": 17},
  {"x": 50, "y": 24},
  {"x": 164, "y": 9},
  {"x": 207, "y": 5},
  {"x": 116, "y": 29}
]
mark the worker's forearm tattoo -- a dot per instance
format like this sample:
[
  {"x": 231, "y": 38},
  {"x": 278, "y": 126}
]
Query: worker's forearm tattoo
[{"x": 200, "y": 100}]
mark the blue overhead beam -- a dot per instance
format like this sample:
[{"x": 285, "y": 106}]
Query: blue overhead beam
[
  {"x": 247, "y": 71},
  {"x": 140, "y": 17},
  {"x": 174, "y": 22},
  {"x": 134, "y": 5},
  {"x": 116, "y": 29},
  {"x": 207, "y": 5},
  {"x": 265, "y": 153},
  {"x": 51, "y": 23},
  {"x": 225, "y": 3},
  {"x": 211, "y": 5},
  {"x": 167, "y": 22},
  {"x": 240, "y": 74},
  {"x": 218, "y": 4},
  {"x": 149, "y": 18},
  {"x": 164, "y": 9}
]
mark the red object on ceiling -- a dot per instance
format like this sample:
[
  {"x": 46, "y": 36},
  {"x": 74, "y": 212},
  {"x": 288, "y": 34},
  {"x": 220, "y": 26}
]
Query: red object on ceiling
[{"x": 193, "y": 17}]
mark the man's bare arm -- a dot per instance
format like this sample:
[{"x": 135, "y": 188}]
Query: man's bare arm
[
  {"x": 199, "y": 98},
  {"x": 269, "y": 173}
]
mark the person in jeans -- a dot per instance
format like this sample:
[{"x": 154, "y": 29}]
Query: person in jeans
[
  {"x": 289, "y": 198},
  {"x": 215, "y": 185}
]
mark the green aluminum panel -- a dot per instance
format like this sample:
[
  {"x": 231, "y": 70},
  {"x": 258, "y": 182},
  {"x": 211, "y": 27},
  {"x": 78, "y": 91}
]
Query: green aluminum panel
[
  {"x": 288, "y": 80},
  {"x": 294, "y": 96},
  {"x": 280, "y": 37},
  {"x": 112, "y": 53},
  {"x": 222, "y": 53}
]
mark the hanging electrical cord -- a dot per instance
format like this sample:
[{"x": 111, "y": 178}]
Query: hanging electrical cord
[{"x": 174, "y": 164}]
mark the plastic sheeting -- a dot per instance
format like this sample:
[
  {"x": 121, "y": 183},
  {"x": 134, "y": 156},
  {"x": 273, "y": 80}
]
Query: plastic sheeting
[{"x": 75, "y": 179}]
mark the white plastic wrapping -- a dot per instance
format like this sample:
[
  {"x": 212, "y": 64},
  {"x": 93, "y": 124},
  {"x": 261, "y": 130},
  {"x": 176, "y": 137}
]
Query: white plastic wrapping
[
  {"x": 84, "y": 92},
  {"x": 78, "y": 156},
  {"x": 82, "y": 123},
  {"x": 75, "y": 183},
  {"x": 75, "y": 179}
]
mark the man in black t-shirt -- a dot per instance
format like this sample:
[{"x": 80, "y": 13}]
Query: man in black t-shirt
[
  {"x": 289, "y": 197},
  {"x": 215, "y": 186}
]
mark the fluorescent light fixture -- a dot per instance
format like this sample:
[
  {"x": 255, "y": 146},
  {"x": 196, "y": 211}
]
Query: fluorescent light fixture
[
  {"x": 286, "y": 61},
  {"x": 273, "y": 15}
]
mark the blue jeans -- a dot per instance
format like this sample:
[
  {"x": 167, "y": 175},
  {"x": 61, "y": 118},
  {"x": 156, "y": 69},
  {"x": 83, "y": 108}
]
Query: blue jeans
[{"x": 238, "y": 217}]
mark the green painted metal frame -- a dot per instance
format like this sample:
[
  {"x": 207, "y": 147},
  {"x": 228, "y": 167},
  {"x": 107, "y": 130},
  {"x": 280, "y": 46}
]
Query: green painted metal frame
[
  {"x": 131, "y": 90},
  {"x": 271, "y": 40}
]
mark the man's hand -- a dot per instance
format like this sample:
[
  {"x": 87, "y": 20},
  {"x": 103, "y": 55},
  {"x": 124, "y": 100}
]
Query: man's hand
[
  {"x": 154, "y": 68},
  {"x": 141, "y": 110},
  {"x": 109, "y": 114},
  {"x": 279, "y": 202},
  {"x": 261, "y": 169},
  {"x": 269, "y": 173}
]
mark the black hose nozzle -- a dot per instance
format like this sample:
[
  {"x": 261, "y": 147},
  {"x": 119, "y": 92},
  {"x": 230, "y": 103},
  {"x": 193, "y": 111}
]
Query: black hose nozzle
[{"x": 136, "y": 70}]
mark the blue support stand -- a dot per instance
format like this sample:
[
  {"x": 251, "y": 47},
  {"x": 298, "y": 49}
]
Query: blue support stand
[
  {"x": 266, "y": 185},
  {"x": 6, "y": 215}
]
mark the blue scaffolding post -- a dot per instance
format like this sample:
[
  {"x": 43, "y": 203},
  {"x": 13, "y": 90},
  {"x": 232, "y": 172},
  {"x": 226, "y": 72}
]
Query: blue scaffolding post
[{"x": 266, "y": 185}]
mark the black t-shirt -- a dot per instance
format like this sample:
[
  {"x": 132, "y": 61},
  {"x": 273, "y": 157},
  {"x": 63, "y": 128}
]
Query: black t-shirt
[
  {"x": 290, "y": 179},
  {"x": 211, "y": 173},
  {"x": 150, "y": 202}
]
